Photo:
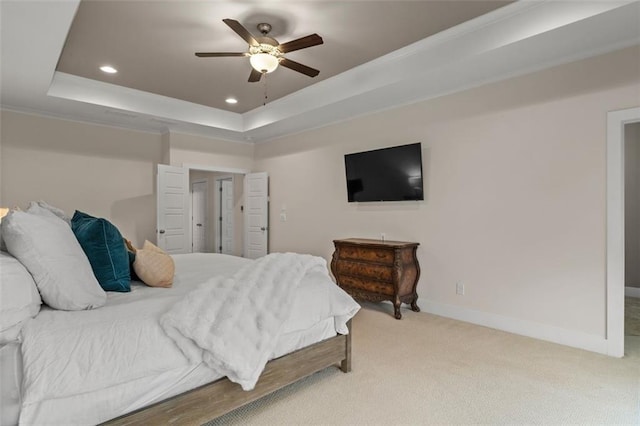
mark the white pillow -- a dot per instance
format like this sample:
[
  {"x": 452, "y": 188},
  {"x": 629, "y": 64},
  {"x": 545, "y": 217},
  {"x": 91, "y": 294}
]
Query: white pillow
[
  {"x": 19, "y": 297},
  {"x": 46, "y": 246},
  {"x": 36, "y": 207}
]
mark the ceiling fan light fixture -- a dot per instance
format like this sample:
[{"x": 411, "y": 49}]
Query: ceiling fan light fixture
[
  {"x": 264, "y": 62},
  {"x": 266, "y": 53}
]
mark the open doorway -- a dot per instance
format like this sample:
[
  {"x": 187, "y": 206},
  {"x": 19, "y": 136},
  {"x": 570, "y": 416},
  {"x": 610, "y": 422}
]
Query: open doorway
[
  {"x": 617, "y": 122},
  {"x": 221, "y": 226},
  {"x": 174, "y": 219},
  {"x": 632, "y": 233}
]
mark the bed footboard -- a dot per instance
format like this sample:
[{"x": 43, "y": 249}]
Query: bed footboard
[{"x": 215, "y": 399}]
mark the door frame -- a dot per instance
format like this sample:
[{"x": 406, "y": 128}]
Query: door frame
[
  {"x": 206, "y": 215},
  {"x": 216, "y": 169},
  {"x": 616, "y": 121},
  {"x": 218, "y": 211}
]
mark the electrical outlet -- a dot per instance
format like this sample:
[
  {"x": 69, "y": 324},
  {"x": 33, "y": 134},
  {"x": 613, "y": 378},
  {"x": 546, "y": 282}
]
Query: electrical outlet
[
  {"x": 459, "y": 289},
  {"x": 283, "y": 217}
]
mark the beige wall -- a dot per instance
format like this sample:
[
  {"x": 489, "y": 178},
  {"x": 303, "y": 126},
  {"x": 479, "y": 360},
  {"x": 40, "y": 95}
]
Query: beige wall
[
  {"x": 632, "y": 204},
  {"x": 104, "y": 171},
  {"x": 514, "y": 191},
  {"x": 189, "y": 149}
]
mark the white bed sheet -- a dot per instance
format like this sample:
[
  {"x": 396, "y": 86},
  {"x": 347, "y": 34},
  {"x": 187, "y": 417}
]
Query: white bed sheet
[
  {"x": 145, "y": 365},
  {"x": 11, "y": 374}
]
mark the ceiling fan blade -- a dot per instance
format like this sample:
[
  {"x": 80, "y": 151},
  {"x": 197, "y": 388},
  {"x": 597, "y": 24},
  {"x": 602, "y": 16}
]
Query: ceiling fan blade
[
  {"x": 296, "y": 66},
  {"x": 301, "y": 43},
  {"x": 254, "y": 76},
  {"x": 241, "y": 31},
  {"x": 219, "y": 54}
]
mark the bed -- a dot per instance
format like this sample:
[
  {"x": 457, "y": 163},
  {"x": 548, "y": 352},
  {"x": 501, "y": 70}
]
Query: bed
[{"x": 119, "y": 364}]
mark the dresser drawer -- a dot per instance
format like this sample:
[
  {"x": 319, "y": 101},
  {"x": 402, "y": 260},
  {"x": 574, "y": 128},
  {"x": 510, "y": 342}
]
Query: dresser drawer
[
  {"x": 365, "y": 270},
  {"x": 347, "y": 282},
  {"x": 366, "y": 254}
]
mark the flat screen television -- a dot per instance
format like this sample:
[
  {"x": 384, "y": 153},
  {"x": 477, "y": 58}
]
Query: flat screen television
[{"x": 388, "y": 174}]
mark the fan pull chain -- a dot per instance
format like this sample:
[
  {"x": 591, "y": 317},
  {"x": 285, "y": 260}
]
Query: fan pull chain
[{"x": 265, "y": 89}]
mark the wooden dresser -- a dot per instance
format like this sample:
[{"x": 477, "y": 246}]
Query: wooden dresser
[{"x": 376, "y": 270}]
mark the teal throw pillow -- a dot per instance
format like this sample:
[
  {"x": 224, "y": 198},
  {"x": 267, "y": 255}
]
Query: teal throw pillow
[
  {"x": 104, "y": 246},
  {"x": 132, "y": 272}
]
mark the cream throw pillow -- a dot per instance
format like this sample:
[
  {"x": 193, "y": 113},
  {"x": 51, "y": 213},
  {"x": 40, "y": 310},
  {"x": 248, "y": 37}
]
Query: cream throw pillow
[{"x": 154, "y": 266}]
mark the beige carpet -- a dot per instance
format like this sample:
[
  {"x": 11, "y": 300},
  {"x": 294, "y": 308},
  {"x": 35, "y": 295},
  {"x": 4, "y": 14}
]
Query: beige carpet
[{"x": 426, "y": 369}]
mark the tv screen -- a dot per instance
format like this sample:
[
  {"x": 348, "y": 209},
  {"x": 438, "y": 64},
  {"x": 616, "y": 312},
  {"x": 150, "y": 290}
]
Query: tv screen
[{"x": 388, "y": 174}]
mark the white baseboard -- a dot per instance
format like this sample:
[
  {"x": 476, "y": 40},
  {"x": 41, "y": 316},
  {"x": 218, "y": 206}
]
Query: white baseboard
[
  {"x": 632, "y": 291},
  {"x": 536, "y": 330}
]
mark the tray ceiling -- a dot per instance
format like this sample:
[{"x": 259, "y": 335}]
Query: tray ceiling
[{"x": 376, "y": 55}]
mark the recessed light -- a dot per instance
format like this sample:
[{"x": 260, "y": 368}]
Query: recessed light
[
  {"x": 108, "y": 69},
  {"x": 231, "y": 100}
]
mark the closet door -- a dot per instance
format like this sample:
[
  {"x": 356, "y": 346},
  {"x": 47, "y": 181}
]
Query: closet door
[
  {"x": 199, "y": 202},
  {"x": 172, "y": 226},
  {"x": 256, "y": 190}
]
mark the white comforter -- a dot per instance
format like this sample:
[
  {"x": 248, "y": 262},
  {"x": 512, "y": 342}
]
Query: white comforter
[
  {"x": 85, "y": 367},
  {"x": 233, "y": 324}
]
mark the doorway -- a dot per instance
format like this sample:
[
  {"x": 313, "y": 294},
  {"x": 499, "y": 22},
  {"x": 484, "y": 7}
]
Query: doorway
[
  {"x": 222, "y": 225},
  {"x": 174, "y": 209},
  {"x": 615, "y": 279},
  {"x": 632, "y": 233}
]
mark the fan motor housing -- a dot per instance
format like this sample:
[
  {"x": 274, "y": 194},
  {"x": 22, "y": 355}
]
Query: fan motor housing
[{"x": 267, "y": 40}]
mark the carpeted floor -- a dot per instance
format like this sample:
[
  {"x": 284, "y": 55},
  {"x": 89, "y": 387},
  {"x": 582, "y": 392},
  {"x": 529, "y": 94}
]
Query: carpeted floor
[
  {"x": 427, "y": 369},
  {"x": 631, "y": 316}
]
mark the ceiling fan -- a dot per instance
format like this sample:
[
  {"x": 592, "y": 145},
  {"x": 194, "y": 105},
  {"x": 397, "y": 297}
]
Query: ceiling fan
[{"x": 266, "y": 53}]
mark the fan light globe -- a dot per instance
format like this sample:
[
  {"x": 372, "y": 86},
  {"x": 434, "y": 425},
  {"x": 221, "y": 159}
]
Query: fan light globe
[{"x": 264, "y": 62}]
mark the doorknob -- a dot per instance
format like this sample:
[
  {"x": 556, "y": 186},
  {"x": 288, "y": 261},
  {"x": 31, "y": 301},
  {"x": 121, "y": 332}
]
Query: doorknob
[
  {"x": 263, "y": 228},
  {"x": 198, "y": 224},
  {"x": 161, "y": 231}
]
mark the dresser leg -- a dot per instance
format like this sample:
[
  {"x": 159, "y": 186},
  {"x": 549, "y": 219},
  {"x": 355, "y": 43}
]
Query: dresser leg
[
  {"x": 396, "y": 308},
  {"x": 414, "y": 305}
]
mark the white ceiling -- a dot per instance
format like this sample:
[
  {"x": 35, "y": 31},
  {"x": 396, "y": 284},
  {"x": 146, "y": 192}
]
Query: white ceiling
[{"x": 366, "y": 62}]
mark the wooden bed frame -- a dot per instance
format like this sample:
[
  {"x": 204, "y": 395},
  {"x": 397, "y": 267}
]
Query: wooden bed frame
[{"x": 212, "y": 400}]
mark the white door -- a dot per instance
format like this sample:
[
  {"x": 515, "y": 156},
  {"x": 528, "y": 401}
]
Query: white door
[
  {"x": 256, "y": 229},
  {"x": 199, "y": 217},
  {"x": 226, "y": 217},
  {"x": 172, "y": 222}
]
